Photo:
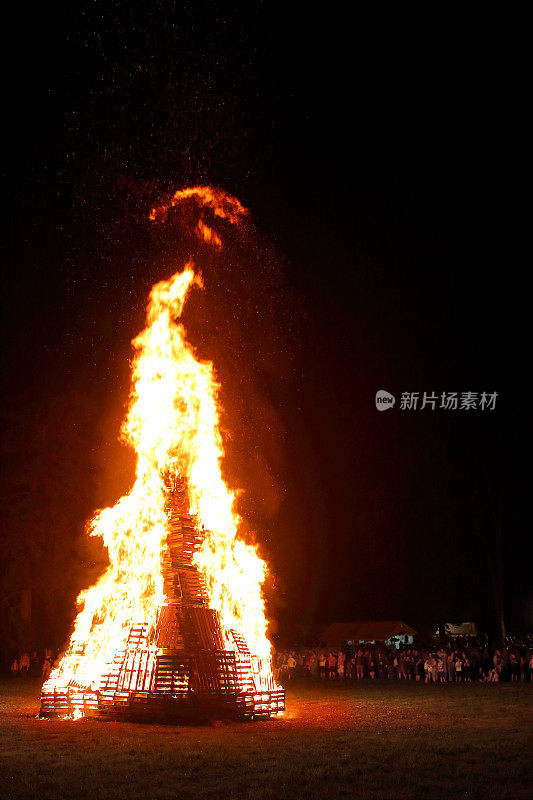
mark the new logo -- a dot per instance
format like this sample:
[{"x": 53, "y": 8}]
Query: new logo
[{"x": 384, "y": 400}]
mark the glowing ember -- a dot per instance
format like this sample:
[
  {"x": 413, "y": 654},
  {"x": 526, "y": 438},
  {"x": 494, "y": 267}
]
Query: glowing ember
[{"x": 173, "y": 425}]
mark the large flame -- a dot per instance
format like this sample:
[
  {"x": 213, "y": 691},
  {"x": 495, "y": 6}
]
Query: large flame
[{"x": 173, "y": 425}]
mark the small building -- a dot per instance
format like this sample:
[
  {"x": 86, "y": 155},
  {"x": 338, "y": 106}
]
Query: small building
[{"x": 350, "y": 635}]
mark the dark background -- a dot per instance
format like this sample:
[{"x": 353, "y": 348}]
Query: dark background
[{"x": 383, "y": 163}]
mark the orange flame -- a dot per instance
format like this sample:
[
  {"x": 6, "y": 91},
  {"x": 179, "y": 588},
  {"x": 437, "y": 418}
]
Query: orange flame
[
  {"x": 208, "y": 234},
  {"x": 223, "y": 205},
  {"x": 173, "y": 425}
]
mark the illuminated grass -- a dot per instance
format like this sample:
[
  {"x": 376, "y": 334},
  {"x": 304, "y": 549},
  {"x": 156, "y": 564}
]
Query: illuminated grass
[{"x": 385, "y": 740}]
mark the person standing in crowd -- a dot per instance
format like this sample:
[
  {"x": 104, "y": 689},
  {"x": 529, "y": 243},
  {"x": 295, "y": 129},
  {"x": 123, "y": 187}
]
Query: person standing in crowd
[
  {"x": 402, "y": 667},
  {"x": 396, "y": 665},
  {"x": 34, "y": 665},
  {"x": 359, "y": 665},
  {"x": 382, "y": 667},
  {"x": 467, "y": 668},
  {"x": 24, "y": 664},
  {"x": 291, "y": 666},
  {"x": 450, "y": 666},
  {"x": 522, "y": 667},
  {"x": 341, "y": 658},
  {"x": 349, "y": 667},
  {"x": 47, "y": 664},
  {"x": 331, "y": 665},
  {"x": 284, "y": 667},
  {"x": 366, "y": 662},
  {"x": 433, "y": 668},
  {"x": 412, "y": 661},
  {"x": 498, "y": 663},
  {"x": 312, "y": 664},
  {"x": 322, "y": 664}
]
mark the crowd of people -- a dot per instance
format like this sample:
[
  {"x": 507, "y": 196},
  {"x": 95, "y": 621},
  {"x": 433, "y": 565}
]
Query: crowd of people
[
  {"x": 460, "y": 661},
  {"x": 32, "y": 664},
  {"x": 456, "y": 662}
]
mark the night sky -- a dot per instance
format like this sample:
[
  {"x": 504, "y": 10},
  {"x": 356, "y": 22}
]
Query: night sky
[{"x": 383, "y": 163}]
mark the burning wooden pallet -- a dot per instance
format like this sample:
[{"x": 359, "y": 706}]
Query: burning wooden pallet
[{"x": 182, "y": 667}]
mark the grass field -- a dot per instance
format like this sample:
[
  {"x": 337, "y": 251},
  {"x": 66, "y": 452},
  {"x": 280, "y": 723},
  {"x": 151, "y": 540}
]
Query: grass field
[{"x": 383, "y": 740}]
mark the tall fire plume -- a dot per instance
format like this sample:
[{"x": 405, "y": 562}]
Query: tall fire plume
[{"x": 172, "y": 424}]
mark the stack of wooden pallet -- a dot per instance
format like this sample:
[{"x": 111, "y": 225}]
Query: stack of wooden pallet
[{"x": 182, "y": 664}]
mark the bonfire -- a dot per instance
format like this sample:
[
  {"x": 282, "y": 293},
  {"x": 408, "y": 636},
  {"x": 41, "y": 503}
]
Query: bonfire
[{"x": 176, "y": 625}]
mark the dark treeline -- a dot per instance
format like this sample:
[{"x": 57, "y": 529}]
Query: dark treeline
[{"x": 49, "y": 457}]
